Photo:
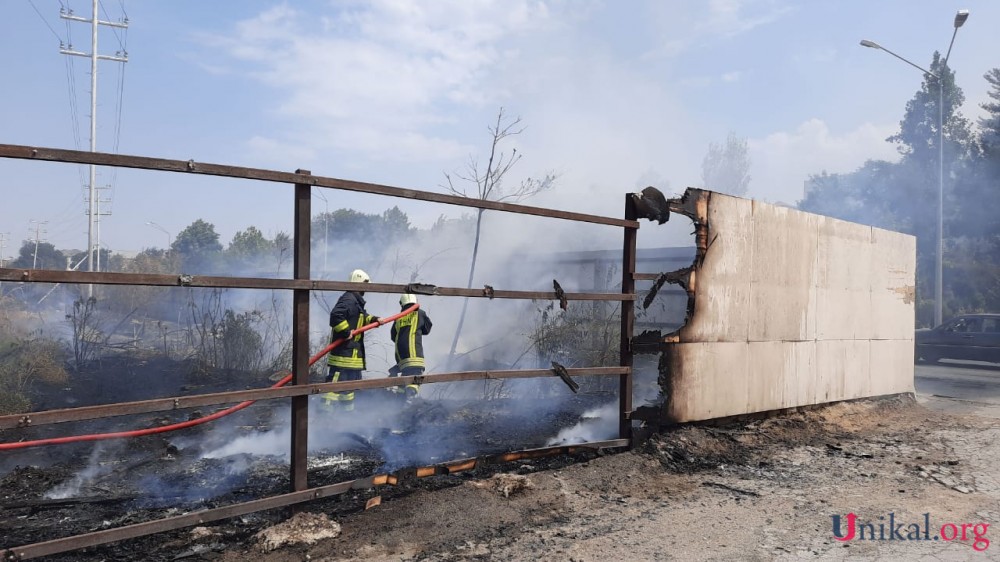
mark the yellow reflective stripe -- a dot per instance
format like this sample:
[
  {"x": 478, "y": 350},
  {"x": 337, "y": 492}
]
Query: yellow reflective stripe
[
  {"x": 412, "y": 362},
  {"x": 359, "y": 335},
  {"x": 353, "y": 362},
  {"x": 341, "y": 326},
  {"x": 413, "y": 337}
]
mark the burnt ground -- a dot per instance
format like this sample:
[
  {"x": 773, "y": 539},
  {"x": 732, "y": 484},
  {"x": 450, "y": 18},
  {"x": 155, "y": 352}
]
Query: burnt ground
[
  {"x": 53, "y": 492},
  {"x": 750, "y": 490},
  {"x": 757, "y": 490}
]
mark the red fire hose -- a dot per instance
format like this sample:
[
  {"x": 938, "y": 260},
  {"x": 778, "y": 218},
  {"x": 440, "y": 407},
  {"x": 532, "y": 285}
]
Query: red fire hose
[{"x": 205, "y": 419}]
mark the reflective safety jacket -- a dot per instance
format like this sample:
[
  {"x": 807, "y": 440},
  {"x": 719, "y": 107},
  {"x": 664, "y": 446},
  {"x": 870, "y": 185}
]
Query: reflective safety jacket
[
  {"x": 349, "y": 314},
  {"x": 407, "y": 333}
]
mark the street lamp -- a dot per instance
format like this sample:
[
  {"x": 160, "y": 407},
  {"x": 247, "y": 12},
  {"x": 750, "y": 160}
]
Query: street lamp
[
  {"x": 170, "y": 238},
  {"x": 960, "y": 18}
]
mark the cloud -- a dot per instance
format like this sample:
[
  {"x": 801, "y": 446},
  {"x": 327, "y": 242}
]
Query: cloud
[
  {"x": 687, "y": 25},
  {"x": 782, "y": 161},
  {"x": 376, "y": 78},
  {"x": 731, "y": 76}
]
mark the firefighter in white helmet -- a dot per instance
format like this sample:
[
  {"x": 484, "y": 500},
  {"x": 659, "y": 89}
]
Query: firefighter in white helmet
[
  {"x": 407, "y": 335},
  {"x": 348, "y": 360}
]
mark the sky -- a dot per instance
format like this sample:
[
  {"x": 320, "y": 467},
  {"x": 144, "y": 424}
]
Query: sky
[{"x": 612, "y": 96}]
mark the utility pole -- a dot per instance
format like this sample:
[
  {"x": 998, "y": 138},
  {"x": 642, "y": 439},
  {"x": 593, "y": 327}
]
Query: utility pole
[
  {"x": 4, "y": 237},
  {"x": 97, "y": 222},
  {"x": 94, "y": 57},
  {"x": 38, "y": 236}
]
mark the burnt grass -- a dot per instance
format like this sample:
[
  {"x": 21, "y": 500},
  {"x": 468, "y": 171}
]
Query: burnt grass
[
  {"x": 159, "y": 476},
  {"x": 143, "y": 479}
]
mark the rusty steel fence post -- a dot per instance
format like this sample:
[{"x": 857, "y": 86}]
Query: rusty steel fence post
[
  {"x": 300, "y": 335},
  {"x": 628, "y": 323}
]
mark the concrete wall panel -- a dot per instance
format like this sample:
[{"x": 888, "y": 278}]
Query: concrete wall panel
[
  {"x": 893, "y": 270},
  {"x": 842, "y": 370},
  {"x": 779, "y": 374},
  {"x": 891, "y": 367},
  {"x": 783, "y": 274},
  {"x": 724, "y": 299},
  {"x": 843, "y": 281},
  {"x": 713, "y": 381},
  {"x": 811, "y": 310}
]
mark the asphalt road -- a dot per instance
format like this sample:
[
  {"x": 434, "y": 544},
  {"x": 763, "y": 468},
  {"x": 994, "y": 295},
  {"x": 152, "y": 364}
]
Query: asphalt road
[{"x": 960, "y": 387}]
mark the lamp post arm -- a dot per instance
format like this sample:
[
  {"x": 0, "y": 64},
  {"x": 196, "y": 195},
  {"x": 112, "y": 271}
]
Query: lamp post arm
[
  {"x": 947, "y": 56},
  {"x": 907, "y": 61}
]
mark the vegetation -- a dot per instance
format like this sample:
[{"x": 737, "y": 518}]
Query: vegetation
[
  {"x": 488, "y": 184},
  {"x": 25, "y": 360},
  {"x": 903, "y": 195},
  {"x": 726, "y": 167}
]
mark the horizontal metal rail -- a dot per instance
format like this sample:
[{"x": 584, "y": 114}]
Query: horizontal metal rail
[
  {"x": 182, "y": 280},
  {"x": 67, "y": 544},
  {"x": 649, "y": 277},
  {"x": 181, "y": 402},
  {"x": 192, "y": 167}
]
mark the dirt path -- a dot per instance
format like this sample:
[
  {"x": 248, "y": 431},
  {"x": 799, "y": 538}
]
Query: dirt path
[{"x": 759, "y": 491}]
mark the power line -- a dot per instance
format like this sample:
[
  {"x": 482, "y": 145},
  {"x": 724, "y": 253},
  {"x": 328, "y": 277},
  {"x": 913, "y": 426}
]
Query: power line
[
  {"x": 94, "y": 57},
  {"x": 113, "y": 30},
  {"x": 45, "y": 22},
  {"x": 118, "y": 111},
  {"x": 74, "y": 112}
]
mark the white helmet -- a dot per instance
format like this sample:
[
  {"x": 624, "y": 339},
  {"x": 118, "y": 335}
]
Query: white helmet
[
  {"x": 359, "y": 276},
  {"x": 408, "y": 298}
]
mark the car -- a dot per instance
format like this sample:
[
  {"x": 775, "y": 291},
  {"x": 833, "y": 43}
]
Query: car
[{"x": 974, "y": 337}]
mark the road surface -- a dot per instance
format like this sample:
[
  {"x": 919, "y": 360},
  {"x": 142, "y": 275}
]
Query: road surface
[{"x": 960, "y": 386}]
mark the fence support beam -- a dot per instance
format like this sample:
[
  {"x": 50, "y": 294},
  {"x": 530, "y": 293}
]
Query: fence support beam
[
  {"x": 628, "y": 322},
  {"x": 300, "y": 337}
]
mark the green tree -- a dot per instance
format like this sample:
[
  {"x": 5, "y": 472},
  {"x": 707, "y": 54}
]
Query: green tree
[
  {"x": 977, "y": 190},
  {"x": 903, "y": 196},
  {"x": 41, "y": 256},
  {"x": 347, "y": 235},
  {"x": 726, "y": 167},
  {"x": 348, "y": 225},
  {"x": 198, "y": 245},
  {"x": 989, "y": 125},
  {"x": 249, "y": 246},
  {"x": 917, "y": 139},
  {"x": 395, "y": 226}
]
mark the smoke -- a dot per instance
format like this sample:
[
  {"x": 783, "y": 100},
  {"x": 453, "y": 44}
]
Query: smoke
[
  {"x": 595, "y": 424},
  {"x": 382, "y": 424},
  {"x": 101, "y": 462},
  {"x": 206, "y": 479},
  {"x": 448, "y": 421}
]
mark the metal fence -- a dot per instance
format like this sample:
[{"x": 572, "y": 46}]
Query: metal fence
[{"x": 301, "y": 285}]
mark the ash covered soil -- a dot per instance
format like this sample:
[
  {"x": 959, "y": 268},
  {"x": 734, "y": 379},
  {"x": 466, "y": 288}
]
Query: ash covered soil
[{"x": 757, "y": 490}]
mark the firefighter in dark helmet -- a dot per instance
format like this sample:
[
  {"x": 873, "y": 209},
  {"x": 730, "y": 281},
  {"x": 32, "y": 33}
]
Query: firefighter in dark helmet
[
  {"x": 348, "y": 360},
  {"x": 407, "y": 335}
]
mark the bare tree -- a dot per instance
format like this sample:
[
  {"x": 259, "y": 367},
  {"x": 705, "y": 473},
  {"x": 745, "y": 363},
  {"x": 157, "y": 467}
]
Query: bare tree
[
  {"x": 726, "y": 167},
  {"x": 488, "y": 185}
]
